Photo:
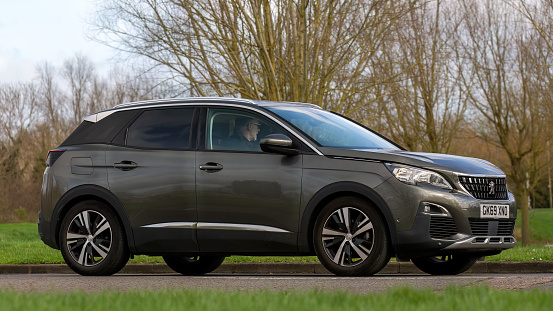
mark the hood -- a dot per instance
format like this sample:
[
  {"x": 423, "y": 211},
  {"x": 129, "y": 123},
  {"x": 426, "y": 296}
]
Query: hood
[{"x": 435, "y": 161}]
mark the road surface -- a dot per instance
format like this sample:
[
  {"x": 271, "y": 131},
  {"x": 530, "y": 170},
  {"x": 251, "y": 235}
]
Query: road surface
[{"x": 245, "y": 282}]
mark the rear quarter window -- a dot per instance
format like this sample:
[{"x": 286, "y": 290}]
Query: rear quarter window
[{"x": 101, "y": 132}]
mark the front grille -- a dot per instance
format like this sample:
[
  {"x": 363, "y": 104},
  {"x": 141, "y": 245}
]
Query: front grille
[
  {"x": 485, "y": 188},
  {"x": 501, "y": 227},
  {"x": 442, "y": 227}
]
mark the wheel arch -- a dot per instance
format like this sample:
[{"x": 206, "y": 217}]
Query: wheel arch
[
  {"x": 331, "y": 192},
  {"x": 84, "y": 193}
]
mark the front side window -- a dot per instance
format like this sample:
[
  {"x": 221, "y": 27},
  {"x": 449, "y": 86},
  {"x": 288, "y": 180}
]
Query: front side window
[
  {"x": 331, "y": 130},
  {"x": 229, "y": 129},
  {"x": 161, "y": 129}
]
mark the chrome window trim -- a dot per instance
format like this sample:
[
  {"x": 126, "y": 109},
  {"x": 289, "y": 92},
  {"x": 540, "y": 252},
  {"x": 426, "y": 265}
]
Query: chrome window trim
[
  {"x": 195, "y": 101},
  {"x": 216, "y": 226}
]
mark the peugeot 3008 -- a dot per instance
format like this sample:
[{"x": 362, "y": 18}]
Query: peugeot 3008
[{"x": 196, "y": 180}]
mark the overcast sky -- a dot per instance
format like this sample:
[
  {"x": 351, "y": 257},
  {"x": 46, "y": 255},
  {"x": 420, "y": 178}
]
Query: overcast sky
[{"x": 32, "y": 31}]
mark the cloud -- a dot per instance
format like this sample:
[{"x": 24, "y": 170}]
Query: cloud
[
  {"x": 16, "y": 69},
  {"x": 34, "y": 31}
]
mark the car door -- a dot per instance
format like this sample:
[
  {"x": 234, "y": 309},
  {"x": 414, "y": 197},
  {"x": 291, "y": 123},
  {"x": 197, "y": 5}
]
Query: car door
[
  {"x": 151, "y": 169},
  {"x": 247, "y": 200}
]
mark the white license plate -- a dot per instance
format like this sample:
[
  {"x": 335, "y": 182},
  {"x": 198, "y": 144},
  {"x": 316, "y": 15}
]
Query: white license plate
[{"x": 494, "y": 211}]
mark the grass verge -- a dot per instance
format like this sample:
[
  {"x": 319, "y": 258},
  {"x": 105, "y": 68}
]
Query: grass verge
[
  {"x": 541, "y": 231},
  {"x": 404, "y": 299}
]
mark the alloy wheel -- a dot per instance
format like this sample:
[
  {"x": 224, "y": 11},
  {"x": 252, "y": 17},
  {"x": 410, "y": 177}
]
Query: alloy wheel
[
  {"x": 348, "y": 236},
  {"x": 89, "y": 238}
]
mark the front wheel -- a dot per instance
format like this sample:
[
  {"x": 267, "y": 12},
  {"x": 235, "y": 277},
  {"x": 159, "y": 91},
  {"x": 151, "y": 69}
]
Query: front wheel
[
  {"x": 196, "y": 265},
  {"x": 351, "y": 238},
  {"x": 445, "y": 265}
]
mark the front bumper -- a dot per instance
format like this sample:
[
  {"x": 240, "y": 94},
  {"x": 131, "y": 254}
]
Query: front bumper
[{"x": 455, "y": 226}]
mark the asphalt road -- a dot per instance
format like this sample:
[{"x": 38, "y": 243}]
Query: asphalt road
[{"x": 241, "y": 282}]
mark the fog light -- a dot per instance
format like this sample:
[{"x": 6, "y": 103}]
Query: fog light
[{"x": 435, "y": 209}]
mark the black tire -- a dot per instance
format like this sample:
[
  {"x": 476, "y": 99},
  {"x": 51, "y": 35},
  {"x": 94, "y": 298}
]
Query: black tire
[
  {"x": 445, "y": 265},
  {"x": 362, "y": 247},
  {"x": 196, "y": 265},
  {"x": 92, "y": 240}
]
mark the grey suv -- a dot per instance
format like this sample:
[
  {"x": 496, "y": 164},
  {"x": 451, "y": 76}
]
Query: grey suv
[{"x": 196, "y": 180}]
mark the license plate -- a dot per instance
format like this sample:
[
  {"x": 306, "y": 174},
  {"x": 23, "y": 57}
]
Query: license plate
[{"x": 494, "y": 211}]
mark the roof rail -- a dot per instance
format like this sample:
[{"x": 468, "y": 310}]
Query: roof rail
[{"x": 185, "y": 99}]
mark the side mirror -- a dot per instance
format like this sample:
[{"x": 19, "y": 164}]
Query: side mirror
[{"x": 278, "y": 143}]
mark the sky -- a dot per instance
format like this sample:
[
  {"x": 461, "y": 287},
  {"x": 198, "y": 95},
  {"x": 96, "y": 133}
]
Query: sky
[{"x": 33, "y": 31}]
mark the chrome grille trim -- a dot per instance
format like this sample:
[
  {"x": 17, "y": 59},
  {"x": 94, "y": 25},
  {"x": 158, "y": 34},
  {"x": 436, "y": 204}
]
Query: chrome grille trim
[{"x": 485, "y": 187}]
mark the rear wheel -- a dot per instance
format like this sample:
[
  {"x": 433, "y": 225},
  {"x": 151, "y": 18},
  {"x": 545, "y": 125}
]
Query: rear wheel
[
  {"x": 445, "y": 265},
  {"x": 92, "y": 240},
  {"x": 196, "y": 265},
  {"x": 351, "y": 238}
]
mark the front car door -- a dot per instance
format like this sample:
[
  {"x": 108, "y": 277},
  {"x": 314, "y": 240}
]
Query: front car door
[{"x": 247, "y": 201}]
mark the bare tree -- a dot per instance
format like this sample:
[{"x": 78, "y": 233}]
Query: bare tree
[
  {"x": 539, "y": 14},
  {"x": 17, "y": 106},
  {"x": 50, "y": 103},
  {"x": 79, "y": 74},
  {"x": 425, "y": 105},
  {"x": 502, "y": 84},
  {"x": 49, "y": 92},
  {"x": 310, "y": 51}
]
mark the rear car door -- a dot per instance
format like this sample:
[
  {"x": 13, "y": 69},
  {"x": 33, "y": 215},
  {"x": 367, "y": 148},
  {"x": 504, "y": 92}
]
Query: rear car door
[
  {"x": 247, "y": 200},
  {"x": 151, "y": 169}
]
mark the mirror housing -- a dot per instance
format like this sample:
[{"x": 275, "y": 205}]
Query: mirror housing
[{"x": 278, "y": 143}]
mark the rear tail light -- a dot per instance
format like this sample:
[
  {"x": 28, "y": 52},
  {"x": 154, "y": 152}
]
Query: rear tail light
[{"x": 53, "y": 155}]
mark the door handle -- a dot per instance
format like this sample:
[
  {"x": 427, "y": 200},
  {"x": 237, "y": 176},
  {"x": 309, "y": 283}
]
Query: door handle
[
  {"x": 125, "y": 165},
  {"x": 211, "y": 167}
]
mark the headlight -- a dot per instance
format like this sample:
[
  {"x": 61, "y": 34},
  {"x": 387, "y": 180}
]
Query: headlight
[{"x": 414, "y": 176}]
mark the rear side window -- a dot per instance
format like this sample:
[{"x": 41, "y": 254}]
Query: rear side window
[
  {"x": 162, "y": 129},
  {"x": 101, "y": 132}
]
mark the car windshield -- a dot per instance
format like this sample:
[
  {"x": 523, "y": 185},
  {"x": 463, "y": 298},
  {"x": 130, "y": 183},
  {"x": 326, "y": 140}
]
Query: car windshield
[{"x": 331, "y": 130}]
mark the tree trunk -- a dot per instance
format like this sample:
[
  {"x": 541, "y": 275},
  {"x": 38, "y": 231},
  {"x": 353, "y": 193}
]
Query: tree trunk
[{"x": 525, "y": 215}]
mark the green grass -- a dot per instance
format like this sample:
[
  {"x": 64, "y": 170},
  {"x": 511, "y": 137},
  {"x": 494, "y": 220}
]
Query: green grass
[
  {"x": 535, "y": 252},
  {"x": 404, "y": 299},
  {"x": 20, "y": 243},
  {"x": 541, "y": 230}
]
